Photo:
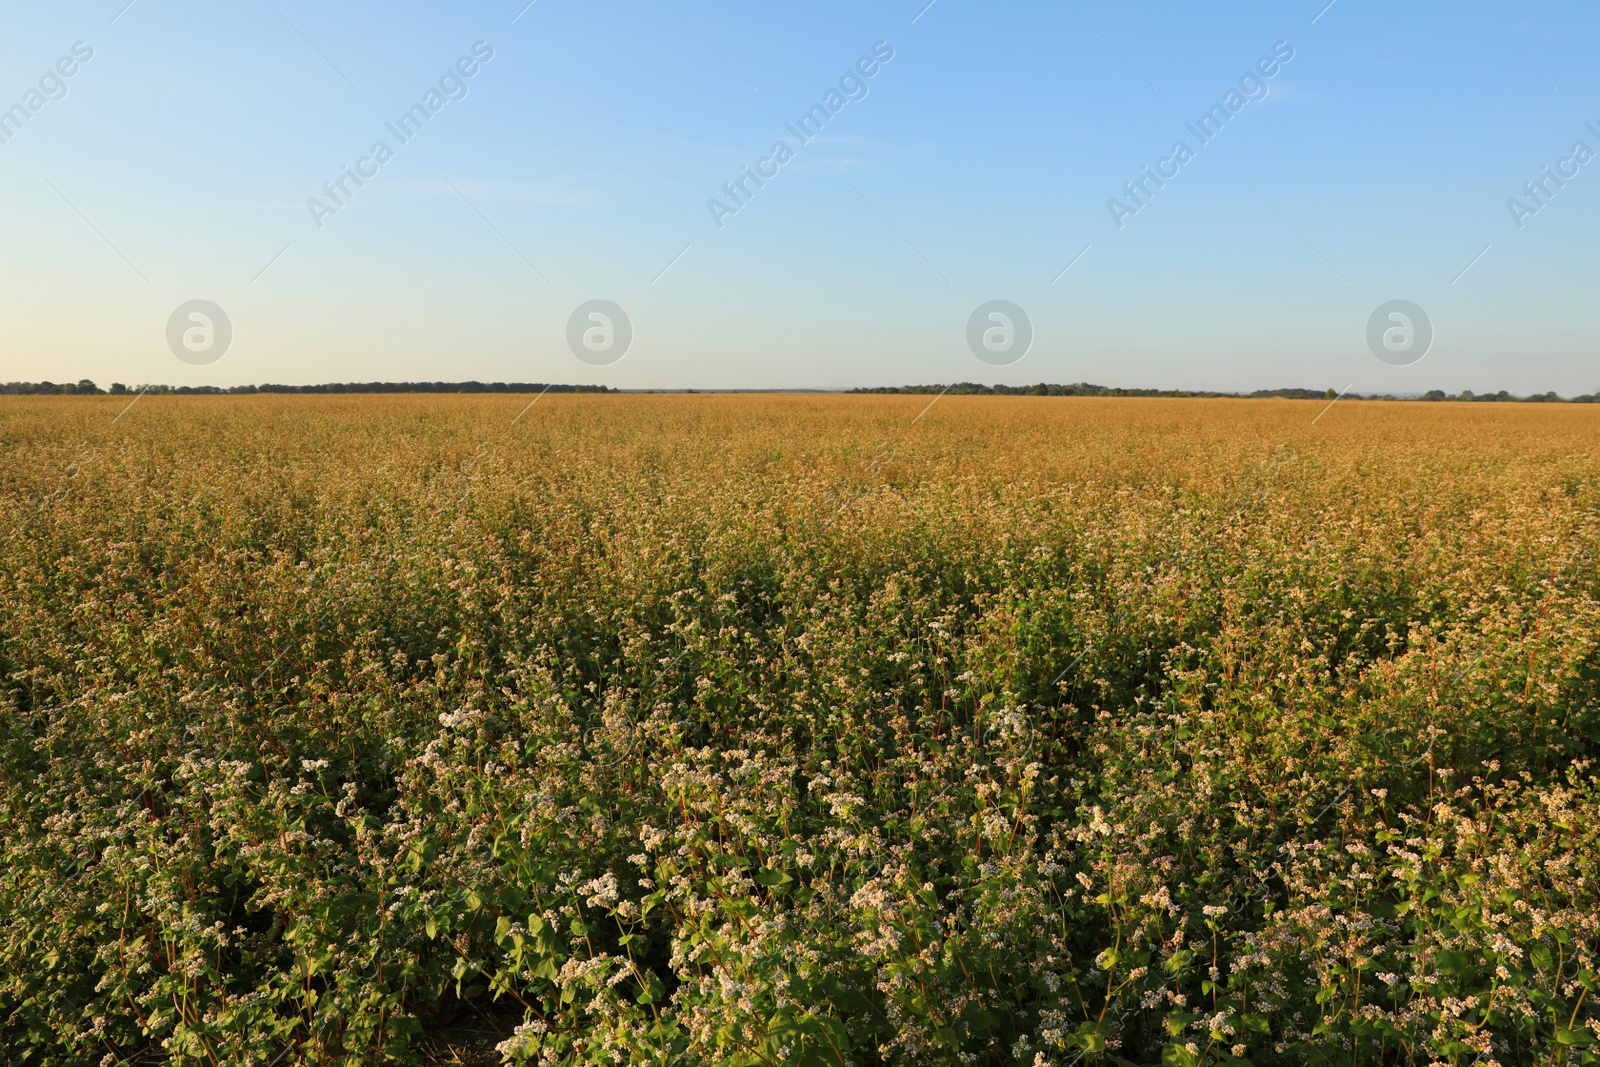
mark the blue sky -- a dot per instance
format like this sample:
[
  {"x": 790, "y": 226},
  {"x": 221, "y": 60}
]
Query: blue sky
[{"x": 579, "y": 164}]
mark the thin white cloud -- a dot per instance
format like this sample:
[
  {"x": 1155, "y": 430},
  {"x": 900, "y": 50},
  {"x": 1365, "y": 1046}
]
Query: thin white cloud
[
  {"x": 1284, "y": 93},
  {"x": 545, "y": 194}
]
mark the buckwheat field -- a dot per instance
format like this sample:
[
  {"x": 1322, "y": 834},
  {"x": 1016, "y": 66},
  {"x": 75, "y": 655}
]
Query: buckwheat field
[{"x": 803, "y": 730}]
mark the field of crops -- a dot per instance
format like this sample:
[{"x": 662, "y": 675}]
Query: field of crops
[{"x": 810, "y": 730}]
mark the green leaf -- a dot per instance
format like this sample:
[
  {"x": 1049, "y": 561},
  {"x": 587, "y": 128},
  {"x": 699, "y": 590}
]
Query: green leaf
[
  {"x": 771, "y": 876},
  {"x": 1178, "y": 1056},
  {"x": 1090, "y": 1042}
]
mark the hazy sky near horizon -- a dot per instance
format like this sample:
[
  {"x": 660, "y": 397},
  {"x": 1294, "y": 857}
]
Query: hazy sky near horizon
[{"x": 580, "y": 159}]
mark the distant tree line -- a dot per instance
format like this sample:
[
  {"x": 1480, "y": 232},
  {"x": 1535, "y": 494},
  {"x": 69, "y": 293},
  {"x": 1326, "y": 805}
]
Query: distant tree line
[
  {"x": 87, "y": 387},
  {"x": 1085, "y": 389}
]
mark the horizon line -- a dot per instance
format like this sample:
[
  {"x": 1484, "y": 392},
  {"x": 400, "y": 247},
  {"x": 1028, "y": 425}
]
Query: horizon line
[{"x": 86, "y": 387}]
